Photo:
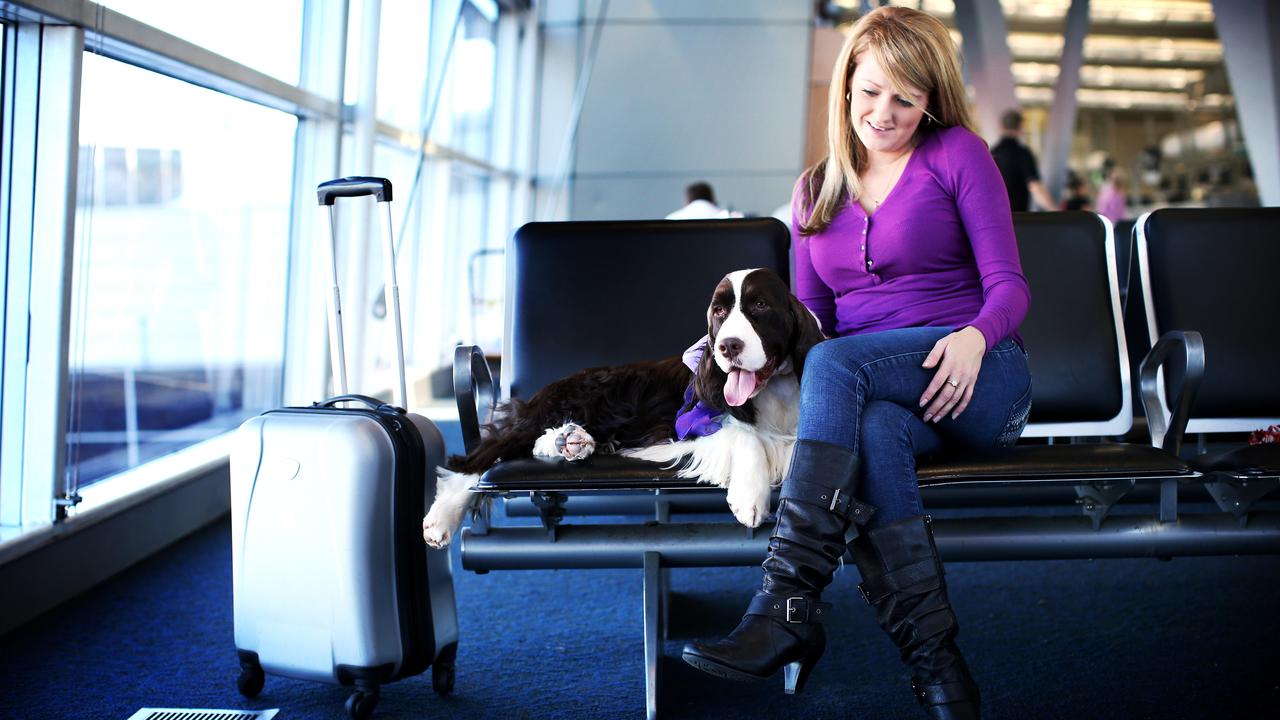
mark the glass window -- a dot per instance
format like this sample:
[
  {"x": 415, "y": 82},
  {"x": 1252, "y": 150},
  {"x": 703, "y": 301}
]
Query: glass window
[
  {"x": 265, "y": 36},
  {"x": 466, "y": 114},
  {"x": 402, "y": 62},
  {"x": 181, "y": 256}
]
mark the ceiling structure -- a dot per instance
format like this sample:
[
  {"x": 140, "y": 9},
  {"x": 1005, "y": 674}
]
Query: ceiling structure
[{"x": 1140, "y": 55}]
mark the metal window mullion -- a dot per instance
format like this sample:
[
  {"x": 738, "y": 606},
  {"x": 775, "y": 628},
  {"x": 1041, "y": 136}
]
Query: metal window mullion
[
  {"x": 52, "y": 238},
  {"x": 123, "y": 38},
  {"x": 317, "y": 157},
  {"x": 22, "y": 91}
]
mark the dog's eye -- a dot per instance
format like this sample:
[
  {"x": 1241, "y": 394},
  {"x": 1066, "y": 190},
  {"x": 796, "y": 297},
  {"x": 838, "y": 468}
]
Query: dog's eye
[
  {"x": 760, "y": 306},
  {"x": 718, "y": 311}
]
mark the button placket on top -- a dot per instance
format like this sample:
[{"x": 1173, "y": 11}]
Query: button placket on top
[{"x": 868, "y": 263}]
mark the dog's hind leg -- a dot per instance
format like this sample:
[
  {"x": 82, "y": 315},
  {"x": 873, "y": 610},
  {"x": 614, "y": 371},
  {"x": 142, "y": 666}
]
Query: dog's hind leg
[
  {"x": 453, "y": 497},
  {"x": 569, "y": 441}
]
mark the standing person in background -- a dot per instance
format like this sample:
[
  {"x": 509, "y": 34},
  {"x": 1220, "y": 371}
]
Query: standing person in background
[
  {"x": 905, "y": 252},
  {"x": 1018, "y": 167},
  {"x": 700, "y": 204},
  {"x": 1111, "y": 197}
]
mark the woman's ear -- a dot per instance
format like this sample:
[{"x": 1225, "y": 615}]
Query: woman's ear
[{"x": 806, "y": 334}]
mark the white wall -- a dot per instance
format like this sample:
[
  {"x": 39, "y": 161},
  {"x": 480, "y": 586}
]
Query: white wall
[{"x": 679, "y": 91}]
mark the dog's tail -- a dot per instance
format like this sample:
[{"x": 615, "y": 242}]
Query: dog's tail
[{"x": 681, "y": 453}]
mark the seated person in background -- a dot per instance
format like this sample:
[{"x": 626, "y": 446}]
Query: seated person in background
[
  {"x": 1111, "y": 197},
  {"x": 1077, "y": 198},
  {"x": 700, "y": 202}
]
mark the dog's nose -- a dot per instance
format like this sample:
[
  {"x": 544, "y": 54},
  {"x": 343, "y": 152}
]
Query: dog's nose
[{"x": 730, "y": 347}]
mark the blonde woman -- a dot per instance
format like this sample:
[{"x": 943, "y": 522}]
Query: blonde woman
[{"x": 905, "y": 251}]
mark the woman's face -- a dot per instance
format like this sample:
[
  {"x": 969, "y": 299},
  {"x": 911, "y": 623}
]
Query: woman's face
[{"x": 884, "y": 120}]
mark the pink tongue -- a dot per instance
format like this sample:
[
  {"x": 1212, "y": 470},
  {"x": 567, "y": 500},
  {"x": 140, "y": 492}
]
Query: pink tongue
[{"x": 740, "y": 385}]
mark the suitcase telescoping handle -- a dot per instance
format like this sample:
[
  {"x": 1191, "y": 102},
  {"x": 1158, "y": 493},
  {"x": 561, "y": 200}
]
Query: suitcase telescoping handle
[
  {"x": 330, "y": 190},
  {"x": 327, "y": 193},
  {"x": 369, "y": 402}
]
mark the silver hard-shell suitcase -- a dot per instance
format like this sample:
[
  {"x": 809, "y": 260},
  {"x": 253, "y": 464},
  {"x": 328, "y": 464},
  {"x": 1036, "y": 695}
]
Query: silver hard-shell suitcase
[{"x": 332, "y": 580}]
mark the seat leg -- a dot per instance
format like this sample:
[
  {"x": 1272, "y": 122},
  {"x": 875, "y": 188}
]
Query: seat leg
[{"x": 654, "y": 630}]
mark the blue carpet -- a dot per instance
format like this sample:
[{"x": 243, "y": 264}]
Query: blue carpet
[{"x": 1190, "y": 638}]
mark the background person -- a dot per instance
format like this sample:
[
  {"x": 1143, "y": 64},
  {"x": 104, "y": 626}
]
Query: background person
[
  {"x": 1112, "y": 200},
  {"x": 700, "y": 204},
  {"x": 924, "y": 354},
  {"x": 1077, "y": 196},
  {"x": 1018, "y": 167}
]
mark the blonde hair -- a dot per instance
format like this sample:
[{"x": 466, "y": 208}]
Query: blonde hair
[{"x": 915, "y": 50}]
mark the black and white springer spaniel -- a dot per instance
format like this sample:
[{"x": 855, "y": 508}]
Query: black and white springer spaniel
[{"x": 758, "y": 335}]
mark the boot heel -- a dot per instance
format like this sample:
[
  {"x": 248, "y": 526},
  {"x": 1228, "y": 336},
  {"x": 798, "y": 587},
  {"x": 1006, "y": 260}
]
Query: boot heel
[{"x": 794, "y": 675}]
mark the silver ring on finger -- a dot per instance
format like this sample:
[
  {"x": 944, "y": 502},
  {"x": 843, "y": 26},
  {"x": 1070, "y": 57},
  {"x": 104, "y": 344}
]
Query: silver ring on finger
[{"x": 953, "y": 383}]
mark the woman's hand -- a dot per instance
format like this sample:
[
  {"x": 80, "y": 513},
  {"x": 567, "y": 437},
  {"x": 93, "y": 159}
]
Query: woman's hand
[{"x": 958, "y": 358}]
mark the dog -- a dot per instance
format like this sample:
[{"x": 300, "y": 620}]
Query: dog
[{"x": 758, "y": 334}]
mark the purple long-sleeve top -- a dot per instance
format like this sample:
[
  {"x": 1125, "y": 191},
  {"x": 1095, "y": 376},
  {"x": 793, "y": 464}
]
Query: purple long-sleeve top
[{"x": 939, "y": 251}]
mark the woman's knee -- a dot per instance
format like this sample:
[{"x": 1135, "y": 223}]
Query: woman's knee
[
  {"x": 895, "y": 432},
  {"x": 884, "y": 427},
  {"x": 821, "y": 357}
]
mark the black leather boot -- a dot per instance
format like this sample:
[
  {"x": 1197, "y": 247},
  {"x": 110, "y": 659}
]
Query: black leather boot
[
  {"x": 782, "y": 627},
  {"x": 902, "y": 578}
]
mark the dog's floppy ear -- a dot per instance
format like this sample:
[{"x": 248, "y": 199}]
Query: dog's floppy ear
[
  {"x": 806, "y": 334},
  {"x": 709, "y": 379}
]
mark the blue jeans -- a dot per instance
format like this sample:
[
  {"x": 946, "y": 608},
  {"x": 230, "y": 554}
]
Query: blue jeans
[{"x": 863, "y": 392}]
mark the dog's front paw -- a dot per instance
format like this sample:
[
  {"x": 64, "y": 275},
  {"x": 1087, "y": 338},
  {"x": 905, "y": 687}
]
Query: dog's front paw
[
  {"x": 749, "y": 506},
  {"x": 569, "y": 441},
  {"x": 440, "y": 524}
]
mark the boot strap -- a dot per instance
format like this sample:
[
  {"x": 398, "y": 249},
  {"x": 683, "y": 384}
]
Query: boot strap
[
  {"x": 878, "y": 588},
  {"x": 796, "y": 609},
  {"x": 935, "y": 622},
  {"x": 941, "y": 693},
  {"x": 836, "y": 500}
]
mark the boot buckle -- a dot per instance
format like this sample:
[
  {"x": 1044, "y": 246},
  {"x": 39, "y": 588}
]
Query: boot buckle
[
  {"x": 835, "y": 500},
  {"x": 794, "y": 605},
  {"x": 865, "y": 596}
]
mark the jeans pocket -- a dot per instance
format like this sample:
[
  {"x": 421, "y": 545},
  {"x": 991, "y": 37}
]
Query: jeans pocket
[{"x": 1017, "y": 421}]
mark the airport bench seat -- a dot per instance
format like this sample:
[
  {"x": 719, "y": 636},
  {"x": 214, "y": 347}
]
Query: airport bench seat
[
  {"x": 1081, "y": 389},
  {"x": 1029, "y": 463},
  {"x": 1176, "y": 251}
]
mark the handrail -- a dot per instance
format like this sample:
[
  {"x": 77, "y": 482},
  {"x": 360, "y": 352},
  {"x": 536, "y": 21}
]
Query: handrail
[
  {"x": 1167, "y": 433},
  {"x": 471, "y": 373}
]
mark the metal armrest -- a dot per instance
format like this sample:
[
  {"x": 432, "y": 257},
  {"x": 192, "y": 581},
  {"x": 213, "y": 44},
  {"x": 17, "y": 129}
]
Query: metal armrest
[
  {"x": 471, "y": 373},
  {"x": 1169, "y": 436}
]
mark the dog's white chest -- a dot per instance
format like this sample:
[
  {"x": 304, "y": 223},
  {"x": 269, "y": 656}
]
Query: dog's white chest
[{"x": 778, "y": 406}]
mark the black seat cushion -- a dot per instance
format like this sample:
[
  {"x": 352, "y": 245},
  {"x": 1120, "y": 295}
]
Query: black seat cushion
[
  {"x": 1069, "y": 329},
  {"x": 1054, "y": 463},
  {"x": 1247, "y": 461},
  {"x": 1031, "y": 464},
  {"x": 589, "y": 294},
  {"x": 1213, "y": 270},
  {"x": 599, "y": 472}
]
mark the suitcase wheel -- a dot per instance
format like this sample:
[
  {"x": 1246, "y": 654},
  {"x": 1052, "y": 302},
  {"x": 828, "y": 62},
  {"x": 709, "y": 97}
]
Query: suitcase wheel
[
  {"x": 361, "y": 703},
  {"x": 442, "y": 676},
  {"x": 251, "y": 679}
]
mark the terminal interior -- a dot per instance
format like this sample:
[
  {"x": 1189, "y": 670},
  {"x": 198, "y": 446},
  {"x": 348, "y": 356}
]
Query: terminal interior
[{"x": 166, "y": 278}]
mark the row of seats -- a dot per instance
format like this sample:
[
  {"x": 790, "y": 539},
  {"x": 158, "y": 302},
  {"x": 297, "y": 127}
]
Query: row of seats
[{"x": 1201, "y": 280}]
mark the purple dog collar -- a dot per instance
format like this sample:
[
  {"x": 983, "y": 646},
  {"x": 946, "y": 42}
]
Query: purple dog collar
[{"x": 698, "y": 420}]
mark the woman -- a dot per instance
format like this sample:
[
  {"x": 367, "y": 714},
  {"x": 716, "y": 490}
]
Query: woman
[
  {"x": 905, "y": 251},
  {"x": 1111, "y": 197}
]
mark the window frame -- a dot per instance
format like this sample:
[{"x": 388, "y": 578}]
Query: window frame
[{"x": 43, "y": 56}]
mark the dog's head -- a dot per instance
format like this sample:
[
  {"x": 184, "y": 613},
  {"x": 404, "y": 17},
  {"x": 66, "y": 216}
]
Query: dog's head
[{"x": 756, "y": 329}]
